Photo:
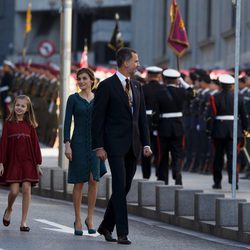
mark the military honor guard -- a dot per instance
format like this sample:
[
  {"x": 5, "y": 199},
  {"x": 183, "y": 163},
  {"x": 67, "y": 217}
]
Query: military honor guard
[
  {"x": 168, "y": 115},
  {"x": 150, "y": 89},
  {"x": 5, "y": 87},
  {"x": 220, "y": 126}
]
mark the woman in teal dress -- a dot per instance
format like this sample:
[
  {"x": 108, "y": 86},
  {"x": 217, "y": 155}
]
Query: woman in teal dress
[{"x": 84, "y": 166}]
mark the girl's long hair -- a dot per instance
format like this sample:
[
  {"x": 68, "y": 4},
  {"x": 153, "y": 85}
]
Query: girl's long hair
[{"x": 29, "y": 116}]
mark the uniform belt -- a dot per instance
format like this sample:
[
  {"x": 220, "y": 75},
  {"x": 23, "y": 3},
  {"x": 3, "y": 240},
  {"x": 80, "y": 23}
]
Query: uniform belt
[
  {"x": 149, "y": 112},
  {"x": 171, "y": 115},
  {"x": 225, "y": 117},
  {"x": 4, "y": 88}
]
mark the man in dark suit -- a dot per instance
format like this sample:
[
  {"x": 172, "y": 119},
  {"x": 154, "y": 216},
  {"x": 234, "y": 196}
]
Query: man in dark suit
[
  {"x": 119, "y": 127},
  {"x": 168, "y": 114}
]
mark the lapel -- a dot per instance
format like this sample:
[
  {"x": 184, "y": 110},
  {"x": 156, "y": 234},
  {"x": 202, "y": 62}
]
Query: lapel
[{"x": 120, "y": 91}]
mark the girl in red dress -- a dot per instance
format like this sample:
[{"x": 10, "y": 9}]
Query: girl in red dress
[{"x": 20, "y": 156}]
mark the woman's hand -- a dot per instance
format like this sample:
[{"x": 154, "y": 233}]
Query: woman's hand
[
  {"x": 68, "y": 151},
  {"x": 101, "y": 154},
  {"x": 1, "y": 169}
]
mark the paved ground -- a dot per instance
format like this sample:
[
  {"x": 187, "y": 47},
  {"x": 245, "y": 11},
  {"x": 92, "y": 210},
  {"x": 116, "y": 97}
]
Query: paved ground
[
  {"x": 51, "y": 222},
  {"x": 51, "y": 225}
]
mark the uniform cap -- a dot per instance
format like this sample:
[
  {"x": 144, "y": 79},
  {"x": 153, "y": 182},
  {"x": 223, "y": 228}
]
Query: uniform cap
[
  {"x": 171, "y": 73},
  {"x": 226, "y": 79},
  {"x": 154, "y": 69},
  {"x": 9, "y": 63}
]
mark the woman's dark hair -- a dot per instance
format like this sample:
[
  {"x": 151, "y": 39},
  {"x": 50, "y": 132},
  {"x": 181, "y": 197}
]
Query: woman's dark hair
[
  {"x": 87, "y": 71},
  {"x": 124, "y": 54}
]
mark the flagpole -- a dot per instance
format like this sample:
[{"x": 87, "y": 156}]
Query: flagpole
[
  {"x": 24, "y": 50},
  {"x": 178, "y": 62},
  {"x": 236, "y": 93},
  {"x": 65, "y": 48}
]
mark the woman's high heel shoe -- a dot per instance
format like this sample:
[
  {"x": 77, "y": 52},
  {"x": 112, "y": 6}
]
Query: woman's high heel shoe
[
  {"x": 90, "y": 230},
  {"x": 77, "y": 231}
]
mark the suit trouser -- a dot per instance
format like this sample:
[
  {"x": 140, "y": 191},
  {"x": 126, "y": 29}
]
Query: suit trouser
[
  {"x": 123, "y": 170},
  {"x": 223, "y": 146},
  {"x": 175, "y": 147}
]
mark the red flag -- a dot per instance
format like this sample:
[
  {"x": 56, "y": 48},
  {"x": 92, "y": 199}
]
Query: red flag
[
  {"x": 84, "y": 58},
  {"x": 177, "y": 38}
]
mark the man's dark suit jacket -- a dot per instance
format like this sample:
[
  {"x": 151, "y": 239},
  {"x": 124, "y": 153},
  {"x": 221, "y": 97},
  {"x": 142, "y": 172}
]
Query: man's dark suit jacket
[{"x": 114, "y": 126}]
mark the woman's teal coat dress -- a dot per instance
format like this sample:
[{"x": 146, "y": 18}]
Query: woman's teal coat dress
[{"x": 84, "y": 160}]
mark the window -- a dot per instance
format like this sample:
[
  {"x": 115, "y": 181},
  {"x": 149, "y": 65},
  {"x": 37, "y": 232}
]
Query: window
[
  {"x": 186, "y": 17},
  {"x": 165, "y": 20},
  {"x": 209, "y": 19},
  {"x": 1, "y": 8},
  {"x": 233, "y": 20}
]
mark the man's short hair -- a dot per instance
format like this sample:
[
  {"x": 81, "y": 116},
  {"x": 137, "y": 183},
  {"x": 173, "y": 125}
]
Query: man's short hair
[{"x": 124, "y": 54}]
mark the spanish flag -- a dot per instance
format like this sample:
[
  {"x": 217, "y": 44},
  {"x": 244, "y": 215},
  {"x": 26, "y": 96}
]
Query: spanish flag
[
  {"x": 28, "y": 26},
  {"x": 177, "y": 39}
]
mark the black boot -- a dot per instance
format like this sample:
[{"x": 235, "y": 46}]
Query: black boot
[{"x": 178, "y": 179}]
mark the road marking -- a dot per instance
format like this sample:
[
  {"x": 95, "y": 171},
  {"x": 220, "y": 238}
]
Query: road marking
[{"x": 62, "y": 229}]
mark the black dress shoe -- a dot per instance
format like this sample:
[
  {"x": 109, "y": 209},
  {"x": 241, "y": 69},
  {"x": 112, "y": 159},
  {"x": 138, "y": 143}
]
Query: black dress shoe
[
  {"x": 123, "y": 240},
  {"x": 24, "y": 229},
  {"x": 216, "y": 186},
  {"x": 107, "y": 235}
]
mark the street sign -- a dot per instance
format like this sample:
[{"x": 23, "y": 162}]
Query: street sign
[{"x": 46, "y": 48}]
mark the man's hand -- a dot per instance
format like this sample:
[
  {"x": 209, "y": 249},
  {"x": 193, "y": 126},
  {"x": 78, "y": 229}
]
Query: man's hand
[
  {"x": 1, "y": 169},
  {"x": 68, "y": 151},
  {"x": 101, "y": 154},
  {"x": 147, "y": 151}
]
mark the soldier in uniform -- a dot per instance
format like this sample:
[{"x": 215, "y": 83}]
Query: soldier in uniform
[
  {"x": 188, "y": 120},
  {"x": 203, "y": 153},
  {"x": 243, "y": 91},
  {"x": 52, "y": 121},
  {"x": 168, "y": 110},
  {"x": 6, "y": 84},
  {"x": 150, "y": 90},
  {"x": 246, "y": 96},
  {"x": 220, "y": 126}
]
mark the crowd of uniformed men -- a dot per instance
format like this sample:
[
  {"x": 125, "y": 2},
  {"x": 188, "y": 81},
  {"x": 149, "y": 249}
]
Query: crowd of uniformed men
[
  {"x": 40, "y": 83},
  {"x": 179, "y": 107},
  {"x": 190, "y": 118}
]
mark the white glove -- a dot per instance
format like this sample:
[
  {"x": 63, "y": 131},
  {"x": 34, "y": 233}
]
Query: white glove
[
  {"x": 155, "y": 133},
  {"x": 7, "y": 99},
  {"x": 184, "y": 84}
]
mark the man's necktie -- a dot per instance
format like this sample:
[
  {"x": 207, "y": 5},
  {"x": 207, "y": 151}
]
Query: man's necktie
[{"x": 128, "y": 92}]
